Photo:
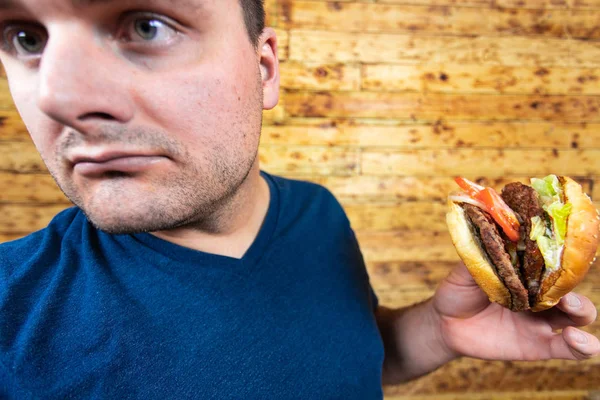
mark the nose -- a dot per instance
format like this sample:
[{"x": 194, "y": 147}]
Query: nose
[{"x": 82, "y": 82}]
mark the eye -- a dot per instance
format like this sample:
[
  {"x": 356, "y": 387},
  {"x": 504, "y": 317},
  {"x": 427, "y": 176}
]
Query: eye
[
  {"x": 25, "y": 41},
  {"x": 148, "y": 29}
]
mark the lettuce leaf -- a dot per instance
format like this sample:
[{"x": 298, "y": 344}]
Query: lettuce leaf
[
  {"x": 559, "y": 213},
  {"x": 548, "y": 245},
  {"x": 549, "y": 189}
]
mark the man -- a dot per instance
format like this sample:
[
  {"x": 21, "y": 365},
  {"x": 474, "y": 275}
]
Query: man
[{"x": 183, "y": 271}]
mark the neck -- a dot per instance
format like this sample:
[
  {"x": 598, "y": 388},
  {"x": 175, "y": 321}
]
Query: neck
[{"x": 231, "y": 229}]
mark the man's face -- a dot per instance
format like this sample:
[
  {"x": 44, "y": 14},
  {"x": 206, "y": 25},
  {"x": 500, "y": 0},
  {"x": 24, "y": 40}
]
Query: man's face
[{"x": 147, "y": 113}]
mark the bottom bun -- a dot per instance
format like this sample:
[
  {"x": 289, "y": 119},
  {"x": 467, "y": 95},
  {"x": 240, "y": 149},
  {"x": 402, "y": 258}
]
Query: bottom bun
[{"x": 470, "y": 250}]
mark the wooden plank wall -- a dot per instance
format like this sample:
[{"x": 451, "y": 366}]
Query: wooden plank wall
[{"x": 383, "y": 101}]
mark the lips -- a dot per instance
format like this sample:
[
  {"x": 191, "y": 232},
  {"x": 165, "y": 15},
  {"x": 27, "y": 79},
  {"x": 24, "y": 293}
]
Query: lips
[{"x": 114, "y": 162}]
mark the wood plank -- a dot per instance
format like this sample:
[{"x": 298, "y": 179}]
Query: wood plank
[
  {"x": 409, "y": 276},
  {"x": 544, "y": 395},
  {"x": 552, "y": 4},
  {"x": 12, "y": 127},
  {"x": 438, "y": 134},
  {"x": 465, "y": 3},
  {"x": 533, "y": 4},
  {"x": 487, "y": 162},
  {"x": 20, "y": 157},
  {"x": 308, "y": 160},
  {"x": 481, "y": 79},
  {"x": 416, "y": 245},
  {"x": 29, "y": 188},
  {"x": 466, "y": 21},
  {"x": 18, "y": 218},
  {"x": 393, "y": 189},
  {"x": 438, "y": 106},
  {"x": 298, "y": 75},
  {"x": 410, "y": 215},
  {"x": 10, "y": 237},
  {"x": 325, "y": 47},
  {"x": 6, "y": 102},
  {"x": 472, "y": 376}
]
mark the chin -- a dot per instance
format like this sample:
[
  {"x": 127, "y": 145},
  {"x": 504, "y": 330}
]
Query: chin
[{"x": 119, "y": 219}]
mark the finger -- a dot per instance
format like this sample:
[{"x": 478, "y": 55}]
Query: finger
[
  {"x": 577, "y": 310},
  {"x": 574, "y": 344}
]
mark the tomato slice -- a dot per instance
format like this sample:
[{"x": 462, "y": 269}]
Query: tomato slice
[
  {"x": 501, "y": 212},
  {"x": 468, "y": 186}
]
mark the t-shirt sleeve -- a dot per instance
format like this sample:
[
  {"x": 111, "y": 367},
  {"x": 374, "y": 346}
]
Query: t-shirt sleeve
[
  {"x": 351, "y": 239},
  {"x": 374, "y": 298}
]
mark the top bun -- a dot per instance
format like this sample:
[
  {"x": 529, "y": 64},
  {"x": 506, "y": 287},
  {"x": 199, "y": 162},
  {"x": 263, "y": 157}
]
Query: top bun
[{"x": 581, "y": 242}]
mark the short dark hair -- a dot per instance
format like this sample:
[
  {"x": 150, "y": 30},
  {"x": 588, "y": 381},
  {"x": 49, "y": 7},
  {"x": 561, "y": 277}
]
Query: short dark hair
[{"x": 254, "y": 17}]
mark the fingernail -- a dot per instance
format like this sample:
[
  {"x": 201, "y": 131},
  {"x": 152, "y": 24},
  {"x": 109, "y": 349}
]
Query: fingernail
[
  {"x": 581, "y": 338},
  {"x": 573, "y": 301}
]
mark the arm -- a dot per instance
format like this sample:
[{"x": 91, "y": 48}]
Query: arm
[
  {"x": 460, "y": 321},
  {"x": 412, "y": 341}
]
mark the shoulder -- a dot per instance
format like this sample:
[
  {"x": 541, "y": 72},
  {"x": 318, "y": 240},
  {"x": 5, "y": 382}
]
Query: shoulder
[
  {"x": 309, "y": 198},
  {"x": 44, "y": 244}
]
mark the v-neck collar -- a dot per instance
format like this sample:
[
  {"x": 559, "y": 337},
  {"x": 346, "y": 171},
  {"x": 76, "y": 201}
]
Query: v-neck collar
[{"x": 186, "y": 255}]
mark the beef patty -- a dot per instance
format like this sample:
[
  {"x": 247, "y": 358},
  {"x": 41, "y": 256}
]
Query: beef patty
[
  {"x": 524, "y": 201},
  {"x": 494, "y": 247}
]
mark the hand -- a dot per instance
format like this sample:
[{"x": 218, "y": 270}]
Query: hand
[{"x": 472, "y": 326}]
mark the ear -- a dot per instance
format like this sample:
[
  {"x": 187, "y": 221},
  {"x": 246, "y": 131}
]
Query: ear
[{"x": 269, "y": 68}]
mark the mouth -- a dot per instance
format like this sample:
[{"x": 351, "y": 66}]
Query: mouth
[{"x": 116, "y": 163}]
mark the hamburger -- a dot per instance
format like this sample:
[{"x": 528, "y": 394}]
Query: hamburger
[{"x": 527, "y": 246}]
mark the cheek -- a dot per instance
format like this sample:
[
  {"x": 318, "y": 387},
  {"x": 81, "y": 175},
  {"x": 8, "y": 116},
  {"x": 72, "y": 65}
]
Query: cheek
[{"x": 205, "y": 106}]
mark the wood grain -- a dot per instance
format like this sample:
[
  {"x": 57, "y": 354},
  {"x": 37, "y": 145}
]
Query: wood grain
[
  {"x": 545, "y": 395},
  {"x": 309, "y": 160},
  {"x": 299, "y": 75},
  {"x": 437, "y": 134},
  {"x": 12, "y": 127},
  {"x": 326, "y": 46},
  {"x": 468, "y": 21},
  {"x": 29, "y": 188},
  {"x": 476, "y": 78},
  {"x": 473, "y": 376},
  {"x": 409, "y": 215},
  {"x": 559, "y": 5},
  {"x": 489, "y": 163},
  {"x": 436, "y": 106},
  {"x": 11, "y": 236},
  {"x": 18, "y": 218},
  {"x": 20, "y": 157}
]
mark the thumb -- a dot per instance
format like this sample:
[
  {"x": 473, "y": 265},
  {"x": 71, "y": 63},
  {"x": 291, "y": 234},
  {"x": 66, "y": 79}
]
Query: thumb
[
  {"x": 461, "y": 277},
  {"x": 459, "y": 295}
]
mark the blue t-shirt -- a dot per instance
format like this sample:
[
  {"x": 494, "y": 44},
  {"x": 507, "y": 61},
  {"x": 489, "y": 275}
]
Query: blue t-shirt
[{"x": 89, "y": 315}]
